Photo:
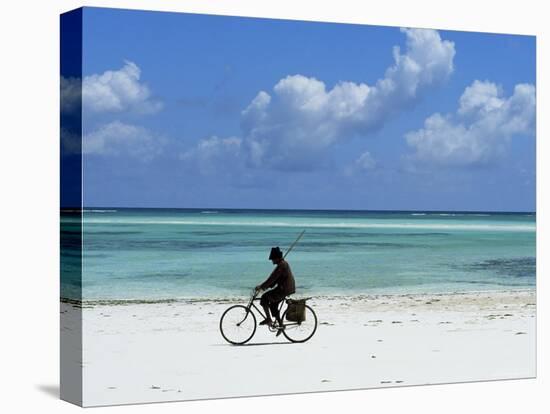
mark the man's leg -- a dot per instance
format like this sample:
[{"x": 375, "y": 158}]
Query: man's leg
[
  {"x": 264, "y": 302},
  {"x": 274, "y": 306},
  {"x": 275, "y": 311}
]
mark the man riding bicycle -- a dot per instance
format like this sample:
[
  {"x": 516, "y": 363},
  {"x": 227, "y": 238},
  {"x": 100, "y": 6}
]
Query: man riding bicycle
[{"x": 282, "y": 280}]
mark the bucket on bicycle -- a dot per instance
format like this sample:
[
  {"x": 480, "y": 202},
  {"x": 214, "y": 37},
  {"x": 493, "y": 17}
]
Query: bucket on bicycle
[{"x": 296, "y": 311}]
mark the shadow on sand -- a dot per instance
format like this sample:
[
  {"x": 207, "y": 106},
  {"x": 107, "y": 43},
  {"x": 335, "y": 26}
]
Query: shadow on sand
[
  {"x": 257, "y": 344},
  {"x": 49, "y": 389}
]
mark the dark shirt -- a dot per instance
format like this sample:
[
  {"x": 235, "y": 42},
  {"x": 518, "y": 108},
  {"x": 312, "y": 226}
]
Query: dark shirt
[{"x": 281, "y": 277}]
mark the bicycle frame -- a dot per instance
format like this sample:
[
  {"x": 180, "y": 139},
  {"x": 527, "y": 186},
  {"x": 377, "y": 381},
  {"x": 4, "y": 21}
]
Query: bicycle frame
[{"x": 251, "y": 305}]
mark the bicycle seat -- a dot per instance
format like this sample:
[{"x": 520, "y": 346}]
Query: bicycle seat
[{"x": 289, "y": 299}]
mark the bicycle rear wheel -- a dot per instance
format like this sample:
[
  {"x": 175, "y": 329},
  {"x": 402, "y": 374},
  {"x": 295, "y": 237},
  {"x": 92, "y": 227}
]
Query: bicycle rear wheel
[
  {"x": 238, "y": 325},
  {"x": 300, "y": 331}
]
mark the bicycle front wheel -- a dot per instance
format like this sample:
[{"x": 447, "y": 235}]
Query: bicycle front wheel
[
  {"x": 301, "y": 331},
  {"x": 238, "y": 325}
]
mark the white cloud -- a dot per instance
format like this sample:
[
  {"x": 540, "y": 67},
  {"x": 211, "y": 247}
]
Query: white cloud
[
  {"x": 365, "y": 162},
  {"x": 70, "y": 142},
  {"x": 301, "y": 118},
  {"x": 214, "y": 154},
  {"x": 481, "y": 97},
  {"x": 292, "y": 128},
  {"x": 70, "y": 94},
  {"x": 112, "y": 91},
  {"x": 481, "y": 129},
  {"x": 117, "y": 138}
]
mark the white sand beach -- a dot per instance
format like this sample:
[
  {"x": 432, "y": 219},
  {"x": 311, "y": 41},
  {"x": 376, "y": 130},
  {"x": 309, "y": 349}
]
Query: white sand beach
[{"x": 174, "y": 351}]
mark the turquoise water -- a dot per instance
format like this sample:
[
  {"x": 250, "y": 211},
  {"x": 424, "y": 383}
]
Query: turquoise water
[{"x": 168, "y": 254}]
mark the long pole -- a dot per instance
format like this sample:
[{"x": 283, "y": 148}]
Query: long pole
[{"x": 293, "y": 244}]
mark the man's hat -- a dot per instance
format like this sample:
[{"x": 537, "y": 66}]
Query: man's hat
[{"x": 276, "y": 253}]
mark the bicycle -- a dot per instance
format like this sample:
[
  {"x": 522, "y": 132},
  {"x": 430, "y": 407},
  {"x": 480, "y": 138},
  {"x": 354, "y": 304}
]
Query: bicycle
[{"x": 238, "y": 323}]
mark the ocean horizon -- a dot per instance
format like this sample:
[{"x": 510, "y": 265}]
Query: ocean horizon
[
  {"x": 114, "y": 208},
  {"x": 154, "y": 254}
]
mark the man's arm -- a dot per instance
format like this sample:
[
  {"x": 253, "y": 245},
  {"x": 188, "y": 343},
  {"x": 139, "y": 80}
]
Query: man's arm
[{"x": 271, "y": 280}]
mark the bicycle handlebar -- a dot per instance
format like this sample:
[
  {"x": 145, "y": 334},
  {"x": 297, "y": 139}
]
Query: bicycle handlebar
[{"x": 254, "y": 294}]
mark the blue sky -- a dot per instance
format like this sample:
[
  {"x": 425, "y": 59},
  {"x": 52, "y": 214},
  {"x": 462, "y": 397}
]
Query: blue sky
[{"x": 183, "y": 110}]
